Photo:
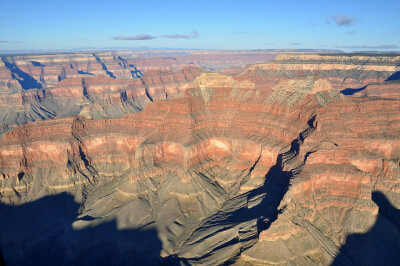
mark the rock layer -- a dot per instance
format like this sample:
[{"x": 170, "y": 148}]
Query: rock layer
[
  {"x": 92, "y": 97},
  {"x": 342, "y": 71},
  {"x": 37, "y": 71}
]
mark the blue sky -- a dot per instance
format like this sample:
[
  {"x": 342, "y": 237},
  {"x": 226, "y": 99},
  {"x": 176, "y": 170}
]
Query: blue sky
[{"x": 252, "y": 24}]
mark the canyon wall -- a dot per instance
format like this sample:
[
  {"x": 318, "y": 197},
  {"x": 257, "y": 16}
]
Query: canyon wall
[
  {"x": 342, "y": 71},
  {"x": 92, "y": 97}
]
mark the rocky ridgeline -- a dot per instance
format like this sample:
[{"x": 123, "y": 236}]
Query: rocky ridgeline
[
  {"x": 93, "y": 97},
  {"x": 42, "y": 71},
  {"x": 39, "y": 87},
  {"x": 344, "y": 72},
  {"x": 206, "y": 61},
  {"x": 24, "y": 72},
  {"x": 225, "y": 171}
]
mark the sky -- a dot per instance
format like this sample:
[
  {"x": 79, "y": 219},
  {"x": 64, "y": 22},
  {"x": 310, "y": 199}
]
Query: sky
[{"x": 195, "y": 24}]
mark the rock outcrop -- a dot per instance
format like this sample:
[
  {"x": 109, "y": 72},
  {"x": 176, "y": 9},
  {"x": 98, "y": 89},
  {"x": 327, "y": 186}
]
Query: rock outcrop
[
  {"x": 93, "y": 97},
  {"x": 207, "y": 59},
  {"x": 342, "y": 71},
  {"x": 385, "y": 90},
  {"x": 39, "y": 71}
]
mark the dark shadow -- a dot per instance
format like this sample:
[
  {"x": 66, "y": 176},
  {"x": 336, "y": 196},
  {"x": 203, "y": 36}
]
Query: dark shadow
[
  {"x": 380, "y": 245},
  {"x": 40, "y": 233},
  {"x": 25, "y": 80},
  {"x": 136, "y": 73},
  {"x": 148, "y": 95},
  {"x": 85, "y": 73},
  {"x": 2, "y": 262},
  {"x": 208, "y": 68},
  {"x": 20, "y": 175},
  {"x": 169, "y": 57},
  {"x": 350, "y": 91},
  {"x": 394, "y": 76},
  {"x": 104, "y": 66},
  {"x": 266, "y": 212},
  {"x": 36, "y": 63}
]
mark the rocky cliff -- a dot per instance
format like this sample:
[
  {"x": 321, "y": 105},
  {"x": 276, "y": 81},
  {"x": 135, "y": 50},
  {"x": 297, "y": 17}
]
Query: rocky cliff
[
  {"x": 38, "y": 71},
  {"x": 225, "y": 171},
  {"x": 92, "y": 97},
  {"x": 206, "y": 61},
  {"x": 342, "y": 71},
  {"x": 384, "y": 89},
  {"x": 24, "y": 72}
]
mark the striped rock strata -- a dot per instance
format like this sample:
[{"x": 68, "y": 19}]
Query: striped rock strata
[
  {"x": 95, "y": 97},
  {"x": 342, "y": 71}
]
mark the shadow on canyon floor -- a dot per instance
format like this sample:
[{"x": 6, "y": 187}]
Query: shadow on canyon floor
[
  {"x": 394, "y": 76},
  {"x": 381, "y": 244},
  {"x": 265, "y": 210},
  {"x": 350, "y": 91},
  {"x": 103, "y": 65},
  {"x": 26, "y": 81},
  {"x": 40, "y": 233},
  {"x": 85, "y": 73}
]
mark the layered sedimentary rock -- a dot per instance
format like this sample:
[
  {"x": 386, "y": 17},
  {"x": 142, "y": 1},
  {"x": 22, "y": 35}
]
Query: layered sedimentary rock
[
  {"x": 207, "y": 61},
  {"x": 220, "y": 60},
  {"x": 385, "y": 90},
  {"x": 24, "y": 72},
  {"x": 224, "y": 171},
  {"x": 343, "y": 71},
  {"x": 228, "y": 61},
  {"x": 94, "y": 97},
  {"x": 352, "y": 153},
  {"x": 39, "y": 71}
]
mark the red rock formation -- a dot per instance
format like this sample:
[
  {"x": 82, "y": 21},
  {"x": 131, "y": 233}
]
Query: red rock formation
[
  {"x": 97, "y": 97},
  {"x": 47, "y": 70},
  {"x": 385, "y": 90},
  {"x": 211, "y": 61},
  {"x": 342, "y": 71}
]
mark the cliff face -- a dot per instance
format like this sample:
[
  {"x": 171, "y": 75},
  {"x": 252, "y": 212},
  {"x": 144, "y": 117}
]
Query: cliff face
[
  {"x": 39, "y": 71},
  {"x": 206, "y": 61},
  {"x": 93, "y": 97},
  {"x": 44, "y": 71},
  {"x": 384, "y": 89},
  {"x": 342, "y": 71},
  {"x": 40, "y": 87},
  {"x": 226, "y": 169}
]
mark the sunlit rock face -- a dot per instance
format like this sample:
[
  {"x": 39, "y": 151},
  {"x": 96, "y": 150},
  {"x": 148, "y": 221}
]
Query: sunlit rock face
[
  {"x": 93, "y": 97},
  {"x": 342, "y": 71},
  {"x": 211, "y": 59},
  {"x": 224, "y": 170}
]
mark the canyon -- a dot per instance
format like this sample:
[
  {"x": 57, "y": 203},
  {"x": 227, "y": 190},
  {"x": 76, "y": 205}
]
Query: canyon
[{"x": 209, "y": 158}]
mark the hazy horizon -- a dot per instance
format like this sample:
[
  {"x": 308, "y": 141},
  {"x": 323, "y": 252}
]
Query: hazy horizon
[{"x": 228, "y": 25}]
